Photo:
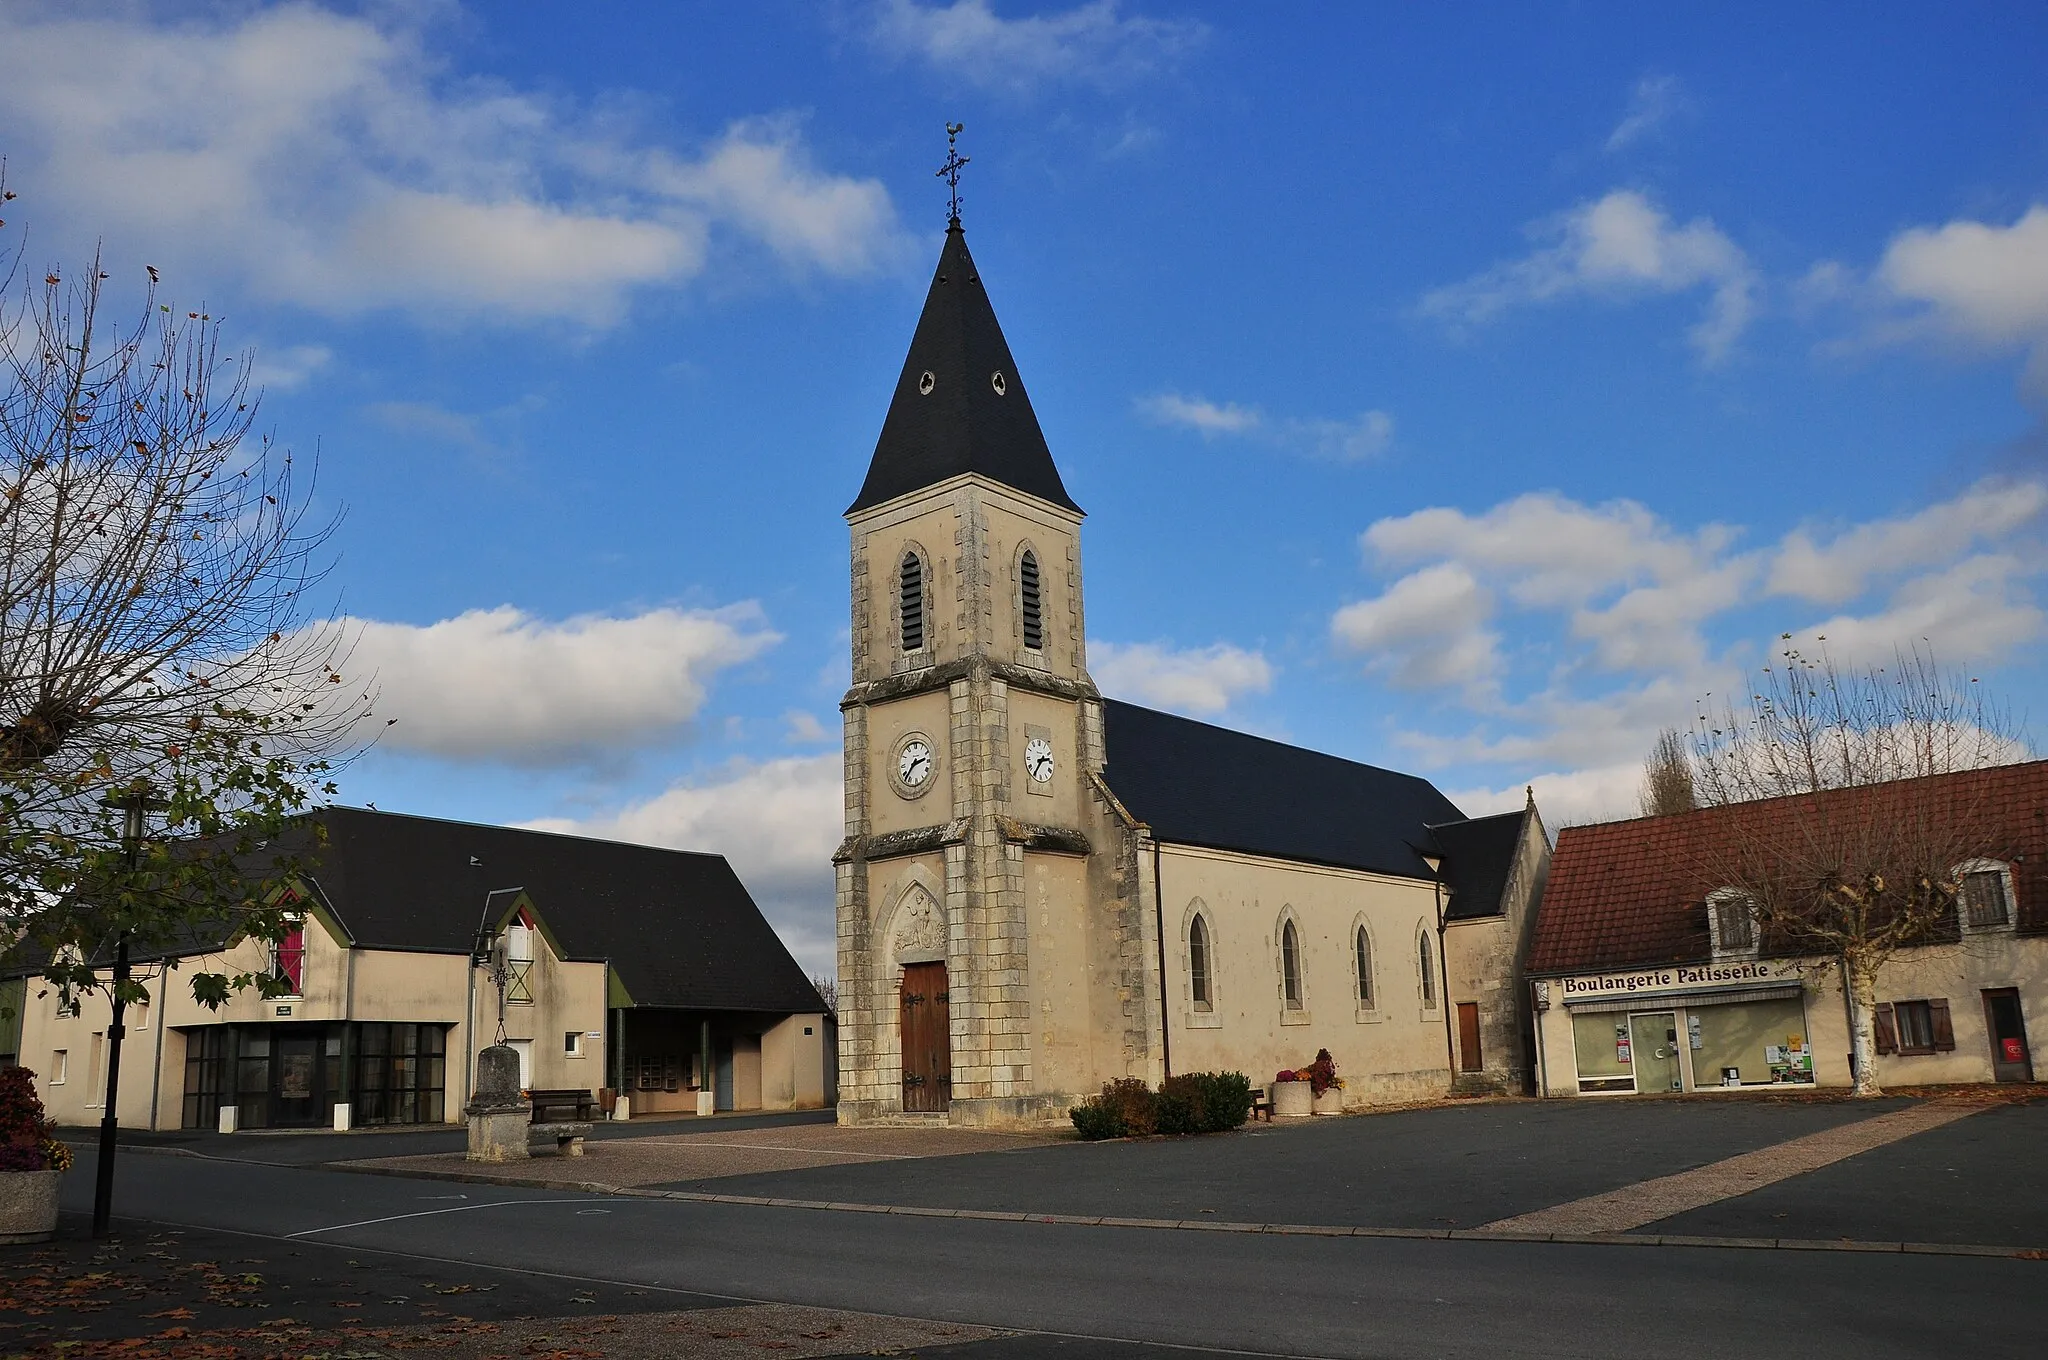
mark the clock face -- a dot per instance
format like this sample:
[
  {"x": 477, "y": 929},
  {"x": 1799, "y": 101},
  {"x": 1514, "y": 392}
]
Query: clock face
[
  {"x": 914, "y": 763},
  {"x": 1038, "y": 759}
]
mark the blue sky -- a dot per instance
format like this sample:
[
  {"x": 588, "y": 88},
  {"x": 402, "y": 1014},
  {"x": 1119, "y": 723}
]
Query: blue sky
[{"x": 1464, "y": 390}]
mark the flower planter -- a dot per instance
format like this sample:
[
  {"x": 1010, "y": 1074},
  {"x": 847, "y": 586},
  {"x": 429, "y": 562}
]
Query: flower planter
[
  {"x": 28, "y": 1205},
  {"x": 1329, "y": 1102},
  {"x": 1292, "y": 1098}
]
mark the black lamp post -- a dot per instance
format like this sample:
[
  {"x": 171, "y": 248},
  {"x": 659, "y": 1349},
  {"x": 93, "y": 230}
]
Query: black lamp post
[{"x": 134, "y": 805}]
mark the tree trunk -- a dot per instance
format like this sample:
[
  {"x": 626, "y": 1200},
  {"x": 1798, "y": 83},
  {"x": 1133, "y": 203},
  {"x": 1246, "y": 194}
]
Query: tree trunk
[{"x": 1861, "y": 979}]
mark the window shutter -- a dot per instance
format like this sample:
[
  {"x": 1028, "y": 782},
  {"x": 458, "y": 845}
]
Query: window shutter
[
  {"x": 1887, "y": 1031},
  {"x": 1944, "y": 1028}
]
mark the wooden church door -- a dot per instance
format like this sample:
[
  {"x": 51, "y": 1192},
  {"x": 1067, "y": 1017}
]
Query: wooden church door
[{"x": 927, "y": 1038}]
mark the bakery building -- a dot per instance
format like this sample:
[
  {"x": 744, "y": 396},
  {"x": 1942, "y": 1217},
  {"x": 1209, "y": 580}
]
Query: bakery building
[{"x": 1644, "y": 977}]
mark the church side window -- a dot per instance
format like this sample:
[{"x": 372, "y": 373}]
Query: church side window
[
  {"x": 1427, "y": 967},
  {"x": 1290, "y": 967},
  {"x": 1198, "y": 964},
  {"x": 912, "y": 585},
  {"x": 1031, "y": 601},
  {"x": 1363, "y": 949}
]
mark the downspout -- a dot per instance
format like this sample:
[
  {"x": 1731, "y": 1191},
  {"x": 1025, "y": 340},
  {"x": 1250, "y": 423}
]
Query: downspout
[
  {"x": 1159, "y": 923},
  {"x": 348, "y": 1041},
  {"x": 469, "y": 1034},
  {"x": 156, "y": 1078},
  {"x": 1443, "y": 973}
]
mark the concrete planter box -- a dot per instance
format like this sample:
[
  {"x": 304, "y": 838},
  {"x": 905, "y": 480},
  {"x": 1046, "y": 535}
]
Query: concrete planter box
[
  {"x": 1329, "y": 1102},
  {"x": 1292, "y": 1098},
  {"x": 28, "y": 1205}
]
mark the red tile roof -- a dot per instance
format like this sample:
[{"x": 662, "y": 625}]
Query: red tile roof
[{"x": 1628, "y": 894}]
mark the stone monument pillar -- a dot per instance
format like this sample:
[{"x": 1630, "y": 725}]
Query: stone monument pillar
[{"x": 498, "y": 1114}]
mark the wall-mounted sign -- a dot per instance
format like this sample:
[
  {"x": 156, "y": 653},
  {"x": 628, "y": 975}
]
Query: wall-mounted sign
[{"x": 1681, "y": 976}]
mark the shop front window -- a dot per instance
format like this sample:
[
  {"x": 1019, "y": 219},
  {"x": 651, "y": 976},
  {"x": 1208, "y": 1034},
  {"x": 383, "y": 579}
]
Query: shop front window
[{"x": 1754, "y": 1043}]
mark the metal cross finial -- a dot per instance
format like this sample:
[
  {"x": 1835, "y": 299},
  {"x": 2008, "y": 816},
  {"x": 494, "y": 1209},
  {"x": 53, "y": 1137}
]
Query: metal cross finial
[{"x": 950, "y": 171}]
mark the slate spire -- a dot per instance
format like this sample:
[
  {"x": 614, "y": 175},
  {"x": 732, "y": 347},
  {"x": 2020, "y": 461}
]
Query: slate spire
[{"x": 959, "y": 404}]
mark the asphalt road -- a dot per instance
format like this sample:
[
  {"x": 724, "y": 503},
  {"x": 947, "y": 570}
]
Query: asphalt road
[
  {"x": 1260, "y": 1294},
  {"x": 1437, "y": 1168}
]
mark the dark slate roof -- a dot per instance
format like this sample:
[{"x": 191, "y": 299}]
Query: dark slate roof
[
  {"x": 1202, "y": 785},
  {"x": 1478, "y": 856},
  {"x": 963, "y": 424},
  {"x": 1631, "y": 894},
  {"x": 678, "y": 927}
]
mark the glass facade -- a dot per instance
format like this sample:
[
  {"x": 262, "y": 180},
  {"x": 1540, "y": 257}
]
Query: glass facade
[
  {"x": 283, "y": 1076},
  {"x": 1691, "y": 1047}
]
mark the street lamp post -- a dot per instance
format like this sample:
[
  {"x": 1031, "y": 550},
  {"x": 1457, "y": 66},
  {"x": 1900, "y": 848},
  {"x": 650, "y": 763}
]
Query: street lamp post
[{"x": 133, "y": 806}]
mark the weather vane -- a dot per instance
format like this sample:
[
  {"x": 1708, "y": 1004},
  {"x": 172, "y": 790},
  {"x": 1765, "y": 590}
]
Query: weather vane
[{"x": 950, "y": 171}]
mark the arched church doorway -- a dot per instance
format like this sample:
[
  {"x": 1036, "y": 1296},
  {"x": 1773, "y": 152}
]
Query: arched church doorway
[{"x": 927, "y": 1038}]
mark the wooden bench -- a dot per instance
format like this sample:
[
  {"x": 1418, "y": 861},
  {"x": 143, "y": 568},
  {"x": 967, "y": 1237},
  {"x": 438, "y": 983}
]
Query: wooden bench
[
  {"x": 1262, "y": 1104},
  {"x": 564, "y": 1116}
]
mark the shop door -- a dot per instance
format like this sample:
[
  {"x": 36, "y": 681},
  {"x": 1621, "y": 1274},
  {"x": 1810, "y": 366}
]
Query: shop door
[
  {"x": 2010, "y": 1058},
  {"x": 927, "y": 1038},
  {"x": 295, "y": 1065},
  {"x": 1653, "y": 1039}
]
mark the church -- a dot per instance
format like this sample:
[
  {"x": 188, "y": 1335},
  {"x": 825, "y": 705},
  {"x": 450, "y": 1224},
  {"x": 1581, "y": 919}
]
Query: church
[{"x": 1042, "y": 889}]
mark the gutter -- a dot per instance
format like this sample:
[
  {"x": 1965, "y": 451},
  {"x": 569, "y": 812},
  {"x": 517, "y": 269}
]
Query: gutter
[{"x": 1443, "y": 974}]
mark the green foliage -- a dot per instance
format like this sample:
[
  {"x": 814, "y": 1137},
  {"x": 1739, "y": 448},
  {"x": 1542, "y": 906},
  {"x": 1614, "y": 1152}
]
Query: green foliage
[{"x": 1194, "y": 1102}]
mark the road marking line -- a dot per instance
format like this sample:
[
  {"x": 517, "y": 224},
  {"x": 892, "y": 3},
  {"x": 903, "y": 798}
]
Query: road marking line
[
  {"x": 1632, "y": 1206},
  {"x": 430, "y": 1213}
]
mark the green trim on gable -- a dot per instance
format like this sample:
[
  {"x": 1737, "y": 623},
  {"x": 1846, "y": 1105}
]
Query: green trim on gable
[{"x": 540, "y": 923}]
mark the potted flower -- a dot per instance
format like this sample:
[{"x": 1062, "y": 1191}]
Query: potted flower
[
  {"x": 32, "y": 1161},
  {"x": 1291, "y": 1095},
  {"x": 1326, "y": 1088}
]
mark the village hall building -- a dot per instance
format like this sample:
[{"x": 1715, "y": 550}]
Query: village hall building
[
  {"x": 1647, "y": 977},
  {"x": 1041, "y": 890},
  {"x": 629, "y": 970}
]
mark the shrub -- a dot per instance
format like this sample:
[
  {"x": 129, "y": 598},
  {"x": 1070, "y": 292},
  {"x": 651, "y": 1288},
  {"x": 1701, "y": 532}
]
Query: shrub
[
  {"x": 1226, "y": 1099},
  {"x": 1321, "y": 1075},
  {"x": 1195, "y": 1102},
  {"x": 28, "y": 1141}
]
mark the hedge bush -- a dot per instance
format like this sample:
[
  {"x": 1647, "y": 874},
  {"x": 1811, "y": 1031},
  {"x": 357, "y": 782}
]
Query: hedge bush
[{"x": 1195, "y": 1102}]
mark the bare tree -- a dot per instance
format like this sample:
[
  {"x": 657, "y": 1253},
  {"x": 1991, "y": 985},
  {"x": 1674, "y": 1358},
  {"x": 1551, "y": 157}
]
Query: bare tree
[
  {"x": 1667, "y": 776},
  {"x": 828, "y": 991},
  {"x": 155, "y": 566},
  {"x": 1847, "y": 822}
]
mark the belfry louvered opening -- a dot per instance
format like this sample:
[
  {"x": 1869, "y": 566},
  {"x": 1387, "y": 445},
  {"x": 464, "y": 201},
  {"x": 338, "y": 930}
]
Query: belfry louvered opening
[
  {"x": 1034, "y": 612},
  {"x": 913, "y": 603}
]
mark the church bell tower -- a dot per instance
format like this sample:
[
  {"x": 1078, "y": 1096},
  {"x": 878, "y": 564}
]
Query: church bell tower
[{"x": 973, "y": 742}]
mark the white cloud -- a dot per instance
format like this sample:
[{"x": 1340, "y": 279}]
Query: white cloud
[
  {"x": 1428, "y": 629},
  {"x": 804, "y": 729},
  {"x": 433, "y": 422},
  {"x": 287, "y": 366},
  {"x": 1345, "y": 441},
  {"x": 325, "y": 159},
  {"x": 1093, "y": 43},
  {"x": 1194, "y": 680},
  {"x": 777, "y": 821},
  {"x": 1651, "y": 105},
  {"x": 1195, "y": 413},
  {"x": 1551, "y": 549},
  {"x": 1843, "y": 567},
  {"x": 1620, "y": 246},
  {"x": 1978, "y": 608},
  {"x": 1560, "y": 638},
  {"x": 1981, "y": 283},
  {"x": 500, "y": 685}
]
